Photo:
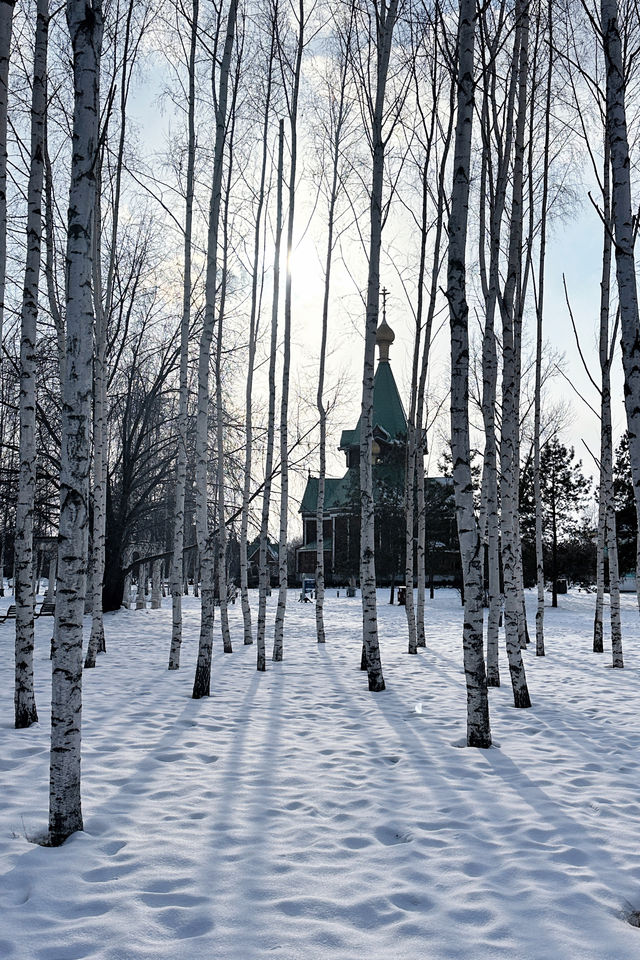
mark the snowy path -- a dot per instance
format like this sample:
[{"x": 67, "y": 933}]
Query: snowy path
[{"x": 295, "y": 815}]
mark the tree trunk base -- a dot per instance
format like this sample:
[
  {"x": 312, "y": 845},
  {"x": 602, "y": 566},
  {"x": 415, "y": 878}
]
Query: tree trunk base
[
  {"x": 522, "y": 700},
  {"x": 25, "y": 717},
  {"x": 482, "y": 741},
  {"x": 201, "y": 686}
]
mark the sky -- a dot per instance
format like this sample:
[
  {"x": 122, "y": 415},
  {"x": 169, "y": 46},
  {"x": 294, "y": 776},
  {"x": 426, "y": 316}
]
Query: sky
[{"x": 574, "y": 250}]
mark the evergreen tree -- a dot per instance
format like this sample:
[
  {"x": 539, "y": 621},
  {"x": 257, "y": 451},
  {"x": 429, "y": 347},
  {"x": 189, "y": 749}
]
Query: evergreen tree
[
  {"x": 564, "y": 490},
  {"x": 626, "y": 516}
]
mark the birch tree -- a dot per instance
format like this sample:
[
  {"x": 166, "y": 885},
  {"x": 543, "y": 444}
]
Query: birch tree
[
  {"x": 497, "y": 123},
  {"x": 606, "y": 500},
  {"x": 414, "y": 465},
  {"x": 385, "y": 13},
  {"x": 6, "y": 29},
  {"x": 537, "y": 426},
  {"x": 336, "y": 92},
  {"x": 509, "y": 441},
  {"x": 251, "y": 359},
  {"x": 103, "y": 295},
  {"x": 177, "y": 561},
  {"x": 202, "y": 681},
  {"x": 220, "y": 460},
  {"x": 84, "y": 19},
  {"x": 25, "y": 706},
  {"x": 271, "y": 415},
  {"x": 478, "y": 728},
  {"x": 432, "y": 303},
  {"x": 623, "y": 219},
  {"x": 292, "y": 109}
]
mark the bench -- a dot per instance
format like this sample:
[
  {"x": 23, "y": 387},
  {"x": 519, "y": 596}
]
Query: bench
[
  {"x": 10, "y": 614},
  {"x": 47, "y": 609}
]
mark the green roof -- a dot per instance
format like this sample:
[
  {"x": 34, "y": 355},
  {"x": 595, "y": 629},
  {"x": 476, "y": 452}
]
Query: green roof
[
  {"x": 327, "y": 544},
  {"x": 335, "y": 494},
  {"x": 388, "y": 412}
]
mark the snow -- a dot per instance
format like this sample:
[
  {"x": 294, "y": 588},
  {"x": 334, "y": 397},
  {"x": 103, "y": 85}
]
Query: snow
[{"x": 295, "y": 815}]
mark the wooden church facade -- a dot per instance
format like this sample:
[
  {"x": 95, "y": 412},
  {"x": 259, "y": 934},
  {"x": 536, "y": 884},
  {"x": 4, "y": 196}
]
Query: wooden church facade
[{"x": 341, "y": 517}]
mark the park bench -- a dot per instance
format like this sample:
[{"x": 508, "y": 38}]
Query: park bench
[
  {"x": 47, "y": 609},
  {"x": 10, "y": 614}
]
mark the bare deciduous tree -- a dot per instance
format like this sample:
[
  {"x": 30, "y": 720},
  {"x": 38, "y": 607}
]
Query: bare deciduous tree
[{"x": 84, "y": 19}]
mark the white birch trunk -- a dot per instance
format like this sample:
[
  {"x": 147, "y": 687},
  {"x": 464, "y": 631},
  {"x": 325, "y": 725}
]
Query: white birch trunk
[
  {"x": 177, "y": 559},
  {"x": 263, "y": 565},
  {"x": 24, "y": 697},
  {"x": 96, "y": 637},
  {"x": 490, "y": 284},
  {"x": 386, "y": 18},
  {"x": 253, "y": 334},
  {"x": 126, "y": 592},
  {"x": 420, "y": 434},
  {"x": 49, "y": 267},
  {"x": 420, "y": 548},
  {"x": 322, "y": 412},
  {"x": 6, "y": 28},
  {"x": 605, "y": 298},
  {"x": 84, "y": 19},
  {"x": 141, "y": 589},
  {"x": 414, "y": 470},
  {"x": 278, "y": 639},
  {"x": 537, "y": 415},
  {"x": 607, "y": 499},
  {"x": 156, "y": 585},
  {"x": 51, "y": 575},
  {"x": 202, "y": 680},
  {"x": 624, "y": 232},
  {"x": 220, "y": 485},
  {"x": 510, "y": 390},
  {"x": 478, "y": 727}
]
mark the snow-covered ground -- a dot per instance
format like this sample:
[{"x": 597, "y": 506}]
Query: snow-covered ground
[{"x": 295, "y": 815}]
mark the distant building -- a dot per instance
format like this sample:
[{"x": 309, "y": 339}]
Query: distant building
[
  {"x": 253, "y": 568},
  {"x": 341, "y": 518}
]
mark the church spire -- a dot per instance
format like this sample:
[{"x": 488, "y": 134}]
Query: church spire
[{"x": 384, "y": 334}]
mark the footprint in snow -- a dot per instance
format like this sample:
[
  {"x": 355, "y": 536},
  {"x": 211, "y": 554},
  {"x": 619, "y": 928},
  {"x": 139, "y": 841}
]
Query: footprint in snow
[{"x": 389, "y": 836}]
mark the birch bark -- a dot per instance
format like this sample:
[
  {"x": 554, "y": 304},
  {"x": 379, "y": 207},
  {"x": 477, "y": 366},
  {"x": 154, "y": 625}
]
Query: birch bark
[
  {"x": 494, "y": 180},
  {"x": 623, "y": 225},
  {"x": 84, "y": 19},
  {"x": 25, "y": 705},
  {"x": 537, "y": 417},
  {"x": 509, "y": 444},
  {"x": 263, "y": 565},
  {"x": 156, "y": 585},
  {"x": 414, "y": 469},
  {"x": 278, "y": 639},
  {"x": 338, "y": 110},
  {"x": 202, "y": 680},
  {"x": 386, "y": 14},
  {"x": 6, "y": 29},
  {"x": 220, "y": 462},
  {"x": 478, "y": 727},
  {"x": 253, "y": 335},
  {"x": 177, "y": 559},
  {"x": 606, "y": 511},
  {"x": 421, "y": 433}
]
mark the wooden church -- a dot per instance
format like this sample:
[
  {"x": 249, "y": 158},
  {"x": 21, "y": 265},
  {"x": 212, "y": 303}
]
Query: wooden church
[{"x": 342, "y": 508}]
